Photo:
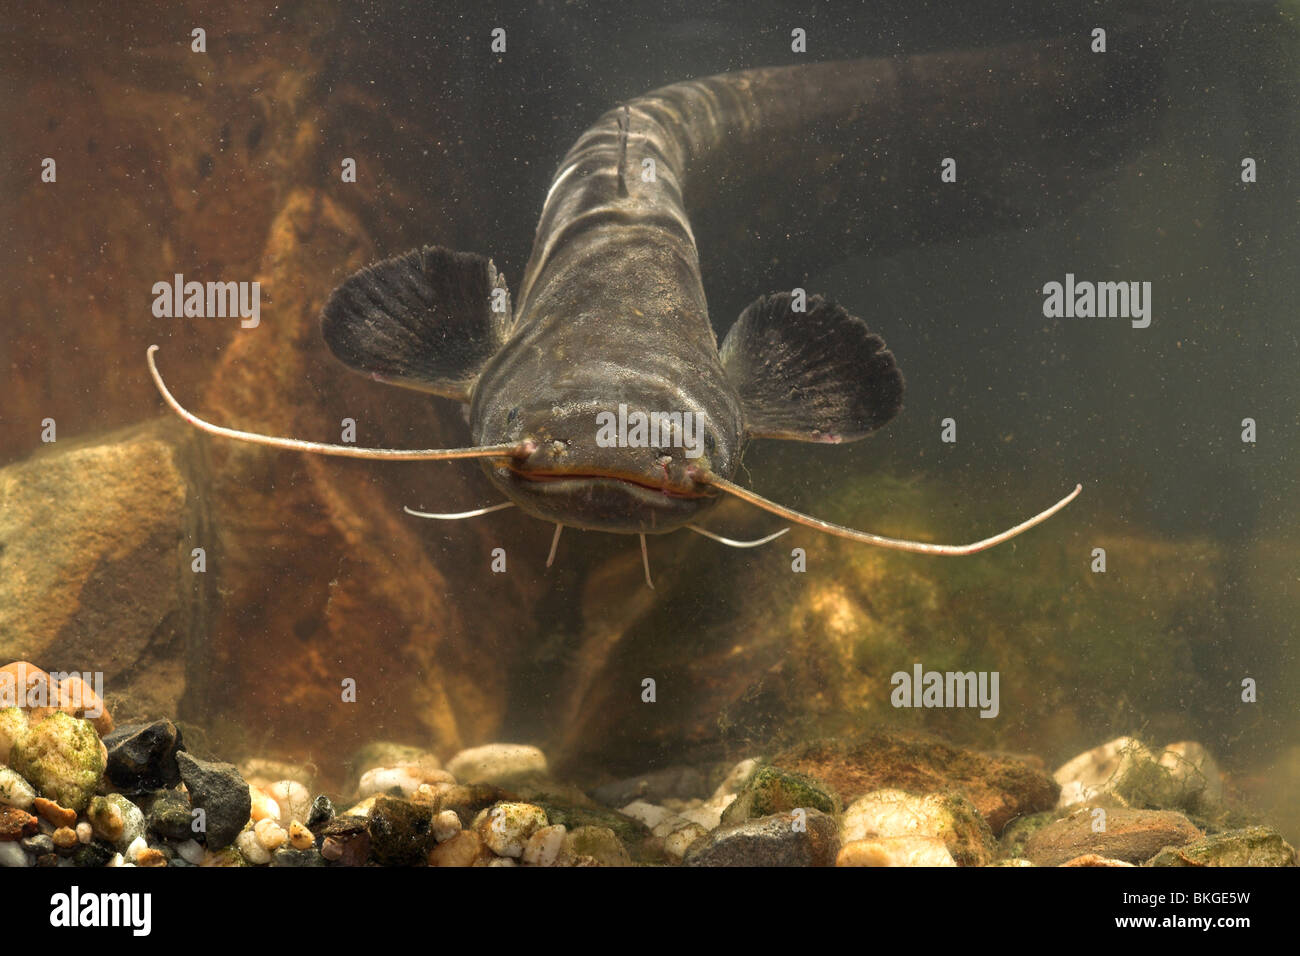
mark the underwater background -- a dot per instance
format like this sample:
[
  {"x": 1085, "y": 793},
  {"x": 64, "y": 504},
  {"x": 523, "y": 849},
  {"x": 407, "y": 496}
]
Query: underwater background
[{"x": 226, "y": 166}]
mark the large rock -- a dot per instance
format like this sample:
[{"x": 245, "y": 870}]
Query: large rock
[
  {"x": 1133, "y": 836},
  {"x": 1000, "y": 787},
  {"x": 94, "y": 561},
  {"x": 1251, "y": 846},
  {"x": 777, "y": 840},
  {"x": 220, "y": 792}
]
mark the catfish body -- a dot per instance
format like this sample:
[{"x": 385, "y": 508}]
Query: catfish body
[{"x": 612, "y": 312}]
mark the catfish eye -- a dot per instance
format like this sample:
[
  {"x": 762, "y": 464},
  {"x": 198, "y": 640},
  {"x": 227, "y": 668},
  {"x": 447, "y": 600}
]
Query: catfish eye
[
  {"x": 512, "y": 416},
  {"x": 709, "y": 443}
]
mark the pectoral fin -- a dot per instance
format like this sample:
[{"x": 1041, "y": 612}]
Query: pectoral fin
[
  {"x": 429, "y": 319},
  {"x": 817, "y": 375}
]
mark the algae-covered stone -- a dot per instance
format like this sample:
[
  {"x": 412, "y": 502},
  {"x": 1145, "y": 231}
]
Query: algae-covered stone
[
  {"x": 783, "y": 839},
  {"x": 61, "y": 757},
  {"x": 169, "y": 815},
  {"x": 772, "y": 790},
  {"x": 1019, "y": 830},
  {"x": 1001, "y": 787},
  {"x": 116, "y": 820},
  {"x": 1100, "y": 769},
  {"x": 13, "y": 723},
  {"x": 885, "y": 814},
  {"x": 593, "y": 845},
  {"x": 1252, "y": 846},
  {"x": 14, "y": 790},
  {"x": 497, "y": 763},
  {"x": 506, "y": 827},
  {"x": 631, "y": 832},
  {"x": 401, "y": 832}
]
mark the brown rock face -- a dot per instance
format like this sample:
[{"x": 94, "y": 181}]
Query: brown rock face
[
  {"x": 94, "y": 561},
  {"x": 1000, "y": 787},
  {"x": 1129, "y": 835}
]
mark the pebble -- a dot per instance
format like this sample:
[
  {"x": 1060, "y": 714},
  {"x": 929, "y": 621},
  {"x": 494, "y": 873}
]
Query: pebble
[
  {"x": 736, "y": 777},
  {"x": 16, "y": 824},
  {"x": 45, "y": 843},
  {"x": 679, "y": 841},
  {"x": 65, "y": 838},
  {"x": 61, "y": 757},
  {"x": 497, "y": 763},
  {"x": 116, "y": 819},
  {"x": 1099, "y": 770},
  {"x": 896, "y": 851},
  {"x": 770, "y": 841},
  {"x": 708, "y": 813},
  {"x": 84, "y": 832},
  {"x": 227, "y": 856},
  {"x": 499, "y": 861},
  {"x": 14, "y": 790},
  {"x": 446, "y": 824},
  {"x": 151, "y": 856},
  {"x": 220, "y": 792},
  {"x": 269, "y": 834},
  {"x": 191, "y": 851},
  {"x": 506, "y": 827},
  {"x": 347, "y": 841},
  {"x": 300, "y": 837},
  {"x": 143, "y": 756},
  {"x": 770, "y": 790},
  {"x": 1130, "y": 835},
  {"x": 1092, "y": 859},
  {"x": 294, "y": 856},
  {"x": 262, "y": 806},
  {"x": 361, "y": 809},
  {"x": 12, "y": 854},
  {"x": 321, "y": 813},
  {"x": 461, "y": 850},
  {"x": 169, "y": 815},
  {"x": 649, "y": 814},
  {"x": 252, "y": 851},
  {"x": 401, "y": 832},
  {"x": 135, "y": 849},
  {"x": 404, "y": 781},
  {"x": 13, "y": 724},
  {"x": 59, "y": 816},
  {"x": 884, "y": 814},
  {"x": 293, "y": 799},
  {"x": 593, "y": 846},
  {"x": 92, "y": 855},
  {"x": 1251, "y": 846},
  {"x": 543, "y": 847}
]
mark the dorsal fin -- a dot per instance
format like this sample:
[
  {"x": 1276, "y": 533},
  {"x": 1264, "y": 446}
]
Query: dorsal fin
[
  {"x": 817, "y": 375},
  {"x": 428, "y": 319}
]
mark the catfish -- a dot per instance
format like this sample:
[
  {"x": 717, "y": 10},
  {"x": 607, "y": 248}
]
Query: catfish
[{"x": 611, "y": 316}]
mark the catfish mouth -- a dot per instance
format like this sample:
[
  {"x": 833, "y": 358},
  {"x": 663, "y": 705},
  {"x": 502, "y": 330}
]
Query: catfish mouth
[{"x": 635, "y": 481}]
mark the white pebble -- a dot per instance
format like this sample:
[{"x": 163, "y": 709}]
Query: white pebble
[
  {"x": 252, "y": 851},
  {"x": 502, "y": 861},
  {"x": 445, "y": 825},
  {"x": 270, "y": 835},
  {"x": 191, "y": 852},
  {"x": 11, "y": 854},
  {"x": 85, "y": 832},
  {"x": 137, "y": 846},
  {"x": 647, "y": 813},
  {"x": 1194, "y": 769},
  {"x": 543, "y": 847},
  {"x": 264, "y": 805},
  {"x": 896, "y": 851},
  {"x": 14, "y": 790},
  {"x": 117, "y": 860},
  {"x": 294, "y": 801},
  {"x": 494, "y": 763},
  {"x": 406, "y": 779},
  {"x": 736, "y": 777}
]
